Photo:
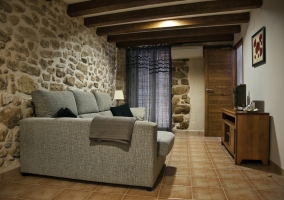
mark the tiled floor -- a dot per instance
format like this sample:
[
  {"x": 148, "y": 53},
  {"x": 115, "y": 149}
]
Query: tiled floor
[{"x": 197, "y": 168}]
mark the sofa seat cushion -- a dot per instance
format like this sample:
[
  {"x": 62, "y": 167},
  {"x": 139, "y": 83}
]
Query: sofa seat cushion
[
  {"x": 48, "y": 103},
  {"x": 138, "y": 112},
  {"x": 86, "y": 102},
  {"x": 165, "y": 142},
  {"x": 103, "y": 100},
  {"x": 106, "y": 113},
  {"x": 89, "y": 115}
]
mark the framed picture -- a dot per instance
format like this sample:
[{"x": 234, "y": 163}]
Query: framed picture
[{"x": 258, "y": 47}]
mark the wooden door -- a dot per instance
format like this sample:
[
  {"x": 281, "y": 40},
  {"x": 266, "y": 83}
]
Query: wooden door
[{"x": 219, "y": 83}]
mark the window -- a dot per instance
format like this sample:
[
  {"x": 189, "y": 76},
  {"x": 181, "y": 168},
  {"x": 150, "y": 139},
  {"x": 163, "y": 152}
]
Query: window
[{"x": 239, "y": 57}]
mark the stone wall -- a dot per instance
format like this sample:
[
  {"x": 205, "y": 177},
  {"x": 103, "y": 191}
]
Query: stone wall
[
  {"x": 180, "y": 99},
  {"x": 41, "y": 47},
  {"x": 121, "y": 73}
]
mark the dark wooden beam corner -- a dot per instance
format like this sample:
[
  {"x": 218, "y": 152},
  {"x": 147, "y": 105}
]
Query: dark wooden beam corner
[
  {"x": 177, "y": 33},
  {"x": 172, "y": 11},
  {"x": 192, "y": 22},
  {"x": 99, "y": 6},
  {"x": 194, "y": 39}
]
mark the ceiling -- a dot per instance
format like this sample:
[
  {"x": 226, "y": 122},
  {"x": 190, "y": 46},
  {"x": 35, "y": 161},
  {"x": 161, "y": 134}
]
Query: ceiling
[{"x": 130, "y": 23}]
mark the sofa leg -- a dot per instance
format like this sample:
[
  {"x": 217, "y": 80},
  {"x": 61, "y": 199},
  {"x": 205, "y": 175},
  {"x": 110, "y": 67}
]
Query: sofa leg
[
  {"x": 24, "y": 174},
  {"x": 149, "y": 189}
]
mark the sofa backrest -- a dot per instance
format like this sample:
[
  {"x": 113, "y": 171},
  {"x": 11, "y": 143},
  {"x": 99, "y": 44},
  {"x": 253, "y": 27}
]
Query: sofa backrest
[
  {"x": 48, "y": 103},
  {"x": 82, "y": 104},
  {"x": 86, "y": 102},
  {"x": 104, "y": 101}
]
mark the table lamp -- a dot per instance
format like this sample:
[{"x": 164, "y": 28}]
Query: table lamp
[{"x": 118, "y": 95}]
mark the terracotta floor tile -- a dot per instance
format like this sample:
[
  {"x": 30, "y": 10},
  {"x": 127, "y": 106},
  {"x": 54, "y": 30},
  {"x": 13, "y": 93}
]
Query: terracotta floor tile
[
  {"x": 280, "y": 181},
  {"x": 218, "y": 154},
  {"x": 271, "y": 194},
  {"x": 208, "y": 193},
  {"x": 15, "y": 190},
  {"x": 266, "y": 184},
  {"x": 57, "y": 182},
  {"x": 105, "y": 196},
  {"x": 67, "y": 194},
  {"x": 196, "y": 148},
  {"x": 215, "y": 150},
  {"x": 168, "y": 191},
  {"x": 4, "y": 184},
  {"x": 255, "y": 174},
  {"x": 6, "y": 198},
  {"x": 31, "y": 179},
  {"x": 179, "y": 158},
  {"x": 175, "y": 171},
  {"x": 177, "y": 180},
  {"x": 128, "y": 197},
  {"x": 250, "y": 166},
  {"x": 268, "y": 168},
  {"x": 199, "y": 158},
  {"x": 178, "y": 153},
  {"x": 109, "y": 188},
  {"x": 235, "y": 183},
  {"x": 225, "y": 165},
  {"x": 229, "y": 173},
  {"x": 242, "y": 194},
  {"x": 226, "y": 159},
  {"x": 41, "y": 193},
  {"x": 197, "y": 153},
  {"x": 197, "y": 167},
  {"x": 140, "y": 191},
  {"x": 276, "y": 175},
  {"x": 11, "y": 175},
  {"x": 180, "y": 163},
  {"x": 208, "y": 182},
  {"x": 203, "y": 172},
  {"x": 83, "y": 185},
  {"x": 201, "y": 164}
]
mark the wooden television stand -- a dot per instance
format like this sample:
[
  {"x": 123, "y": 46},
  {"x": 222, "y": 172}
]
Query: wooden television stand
[{"x": 246, "y": 135}]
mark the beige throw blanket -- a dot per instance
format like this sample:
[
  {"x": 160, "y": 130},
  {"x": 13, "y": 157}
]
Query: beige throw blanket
[{"x": 118, "y": 129}]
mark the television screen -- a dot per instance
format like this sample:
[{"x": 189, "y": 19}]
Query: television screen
[{"x": 240, "y": 96}]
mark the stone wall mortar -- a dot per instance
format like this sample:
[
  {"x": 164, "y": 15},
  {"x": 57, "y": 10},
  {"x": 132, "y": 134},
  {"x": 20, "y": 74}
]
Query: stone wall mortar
[
  {"x": 121, "y": 73},
  {"x": 41, "y": 47},
  {"x": 180, "y": 99}
]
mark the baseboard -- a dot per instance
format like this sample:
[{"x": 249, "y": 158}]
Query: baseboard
[{"x": 276, "y": 167}]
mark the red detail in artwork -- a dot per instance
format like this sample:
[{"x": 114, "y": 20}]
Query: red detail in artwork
[{"x": 258, "y": 46}]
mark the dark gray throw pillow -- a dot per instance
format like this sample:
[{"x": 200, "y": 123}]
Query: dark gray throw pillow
[
  {"x": 65, "y": 112},
  {"x": 122, "y": 110}
]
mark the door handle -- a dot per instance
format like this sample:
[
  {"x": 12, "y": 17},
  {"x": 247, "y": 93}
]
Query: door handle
[{"x": 208, "y": 90}]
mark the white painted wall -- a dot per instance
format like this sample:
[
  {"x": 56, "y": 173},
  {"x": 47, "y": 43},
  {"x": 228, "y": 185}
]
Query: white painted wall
[
  {"x": 196, "y": 94},
  {"x": 266, "y": 81}
]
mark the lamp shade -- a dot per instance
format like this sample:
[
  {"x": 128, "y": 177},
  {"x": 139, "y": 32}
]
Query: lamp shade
[{"x": 118, "y": 94}]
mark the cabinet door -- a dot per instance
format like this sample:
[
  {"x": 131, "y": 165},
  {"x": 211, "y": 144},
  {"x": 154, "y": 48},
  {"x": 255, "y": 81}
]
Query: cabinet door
[{"x": 232, "y": 140}]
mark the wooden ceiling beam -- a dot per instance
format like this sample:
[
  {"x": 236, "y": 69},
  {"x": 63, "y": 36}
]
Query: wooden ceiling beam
[
  {"x": 213, "y": 20},
  {"x": 216, "y": 30},
  {"x": 99, "y": 6},
  {"x": 172, "y": 11},
  {"x": 193, "y": 39}
]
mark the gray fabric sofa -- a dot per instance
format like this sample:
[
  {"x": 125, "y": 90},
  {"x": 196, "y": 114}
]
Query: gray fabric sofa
[{"x": 60, "y": 147}]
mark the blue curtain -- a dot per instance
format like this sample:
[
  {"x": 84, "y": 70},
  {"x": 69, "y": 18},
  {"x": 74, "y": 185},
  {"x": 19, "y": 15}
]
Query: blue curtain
[{"x": 149, "y": 85}]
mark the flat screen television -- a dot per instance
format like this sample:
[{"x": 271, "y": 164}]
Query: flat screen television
[{"x": 240, "y": 96}]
